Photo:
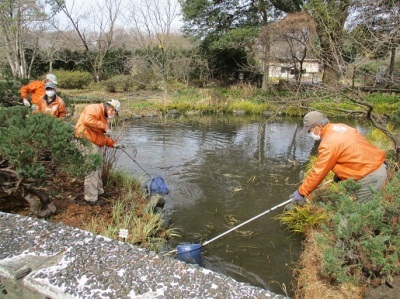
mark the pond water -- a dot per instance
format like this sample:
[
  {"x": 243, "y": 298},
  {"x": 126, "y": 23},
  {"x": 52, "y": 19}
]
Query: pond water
[{"x": 222, "y": 171}]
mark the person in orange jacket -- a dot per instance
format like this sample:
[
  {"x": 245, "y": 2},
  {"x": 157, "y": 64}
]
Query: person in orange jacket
[
  {"x": 36, "y": 89},
  {"x": 51, "y": 103},
  {"x": 347, "y": 153},
  {"x": 92, "y": 125}
]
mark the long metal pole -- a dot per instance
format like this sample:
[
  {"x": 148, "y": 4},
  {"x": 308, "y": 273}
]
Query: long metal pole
[
  {"x": 136, "y": 163},
  {"x": 255, "y": 217},
  {"x": 236, "y": 227},
  {"x": 259, "y": 215},
  {"x": 241, "y": 224}
]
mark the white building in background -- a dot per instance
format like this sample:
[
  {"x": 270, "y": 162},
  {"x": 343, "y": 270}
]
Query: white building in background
[{"x": 311, "y": 71}]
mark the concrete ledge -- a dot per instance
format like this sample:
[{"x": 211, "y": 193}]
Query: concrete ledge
[{"x": 64, "y": 262}]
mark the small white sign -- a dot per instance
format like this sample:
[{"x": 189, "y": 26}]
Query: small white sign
[{"x": 123, "y": 233}]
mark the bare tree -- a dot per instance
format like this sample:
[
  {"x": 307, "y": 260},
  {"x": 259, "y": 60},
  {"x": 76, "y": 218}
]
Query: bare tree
[
  {"x": 330, "y": 18},
  {"x": 96, "y": 27},
  {"x": 298, "y": 32},
  {"x": 18, "y": 20},
  {"x": 262, "y": 49},
  {"x": 49, "y": 45},
  {"x": 185, "y": 59},
  {"x": 372, "y": 32},
  {"x": 375, "y": 31},
  {"x": 153, "y": 29},
  {"x": 288, "y": 41}
]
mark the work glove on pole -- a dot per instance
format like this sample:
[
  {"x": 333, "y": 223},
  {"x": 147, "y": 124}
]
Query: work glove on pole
[
  {"x": 298, "y": 199},
  {"x": 119, "y": 146}
]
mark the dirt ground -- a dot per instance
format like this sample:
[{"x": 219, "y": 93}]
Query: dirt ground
[
  {"x": 70, "y": 211},
  {"x": 384, "y": 291},
  {"x": 73, "y": 212}
]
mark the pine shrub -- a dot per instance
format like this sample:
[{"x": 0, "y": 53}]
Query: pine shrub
[
  {"x": 28, "y": 142},
  {"x": 9, "y": 92},
  {"x": 362, "y": 237}
]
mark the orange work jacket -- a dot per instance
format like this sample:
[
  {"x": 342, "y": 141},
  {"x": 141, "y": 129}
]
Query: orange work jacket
[
  {"x": 344, "y": 151},
  {"x": 92, "y": 124},
  {"x": 55, "y": 108},
  {"x": 36, "y": 89}
]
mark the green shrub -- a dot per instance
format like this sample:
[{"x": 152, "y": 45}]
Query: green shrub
[
  {"x": 73, "y": 80},
  {"x": 9, "y": 92},
  {"x": 30, "y": 141},
  {"x": 119, "y": 83},
  {"x": 362, "y": 237}
]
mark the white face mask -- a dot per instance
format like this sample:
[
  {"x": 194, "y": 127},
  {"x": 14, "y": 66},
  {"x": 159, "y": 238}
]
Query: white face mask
[
  {"x": 315, "y": 137},
  {"x": 50, "y": 93},
  {"x": 111, "y": 116}
]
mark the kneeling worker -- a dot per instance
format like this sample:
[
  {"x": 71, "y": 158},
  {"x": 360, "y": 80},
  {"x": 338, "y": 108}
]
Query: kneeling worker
[
  {"x": 92, "y": 125},
  {"x": 347, "y": 153}
]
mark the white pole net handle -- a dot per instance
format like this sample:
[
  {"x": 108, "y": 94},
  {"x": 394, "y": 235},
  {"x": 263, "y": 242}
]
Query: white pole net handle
[{"x": 255, "y": 217}]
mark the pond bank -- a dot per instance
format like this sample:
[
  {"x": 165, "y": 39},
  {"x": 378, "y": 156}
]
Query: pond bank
[{"x": 60, "y": 262}]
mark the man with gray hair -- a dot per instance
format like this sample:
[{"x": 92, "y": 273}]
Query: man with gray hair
[{"x": 344, "y": 151}]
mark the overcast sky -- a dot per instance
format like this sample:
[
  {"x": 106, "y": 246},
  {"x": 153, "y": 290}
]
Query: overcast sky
[{"x": 83, "y": 8}]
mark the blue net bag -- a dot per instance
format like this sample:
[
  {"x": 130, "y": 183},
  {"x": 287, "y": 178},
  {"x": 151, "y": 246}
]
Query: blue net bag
[{"x": 158, "y": 185}]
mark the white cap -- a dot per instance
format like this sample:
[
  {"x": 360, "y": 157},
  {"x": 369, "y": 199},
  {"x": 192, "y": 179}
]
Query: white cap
[
  {"x": 50, "y": 84},
  {"x": 115, "y": 103},
  {"x": 52, "y": 78}
]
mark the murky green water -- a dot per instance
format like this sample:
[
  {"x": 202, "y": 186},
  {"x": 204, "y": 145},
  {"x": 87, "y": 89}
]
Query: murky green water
[{"x": 222, "y": 171}]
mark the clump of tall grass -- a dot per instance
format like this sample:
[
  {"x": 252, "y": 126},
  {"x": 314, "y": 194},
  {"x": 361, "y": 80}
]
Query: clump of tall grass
[
  {"x": 145, "y": 227},
  {"x": 121, "y": 180},
  {"x": 244, "y": 90},
  {"x": 247, "y": 106},
  {"x": 132, "y": 212},
  {"x": 303, "y": 218}
]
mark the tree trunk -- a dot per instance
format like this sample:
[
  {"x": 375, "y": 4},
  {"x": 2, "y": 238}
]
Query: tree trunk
[
  {"x": 330, "y": 76},
  {"x": 397, "y": 144},
  {"x": 164, "y": 84},
  {"x": 392, "y": 60},
  {"x": 266, "y": 62},
  {"x": 353, "y": 77}
]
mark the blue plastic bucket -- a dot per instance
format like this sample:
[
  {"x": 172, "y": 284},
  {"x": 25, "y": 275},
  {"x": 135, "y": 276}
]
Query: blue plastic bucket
[{"x": 190, "y": 253}]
